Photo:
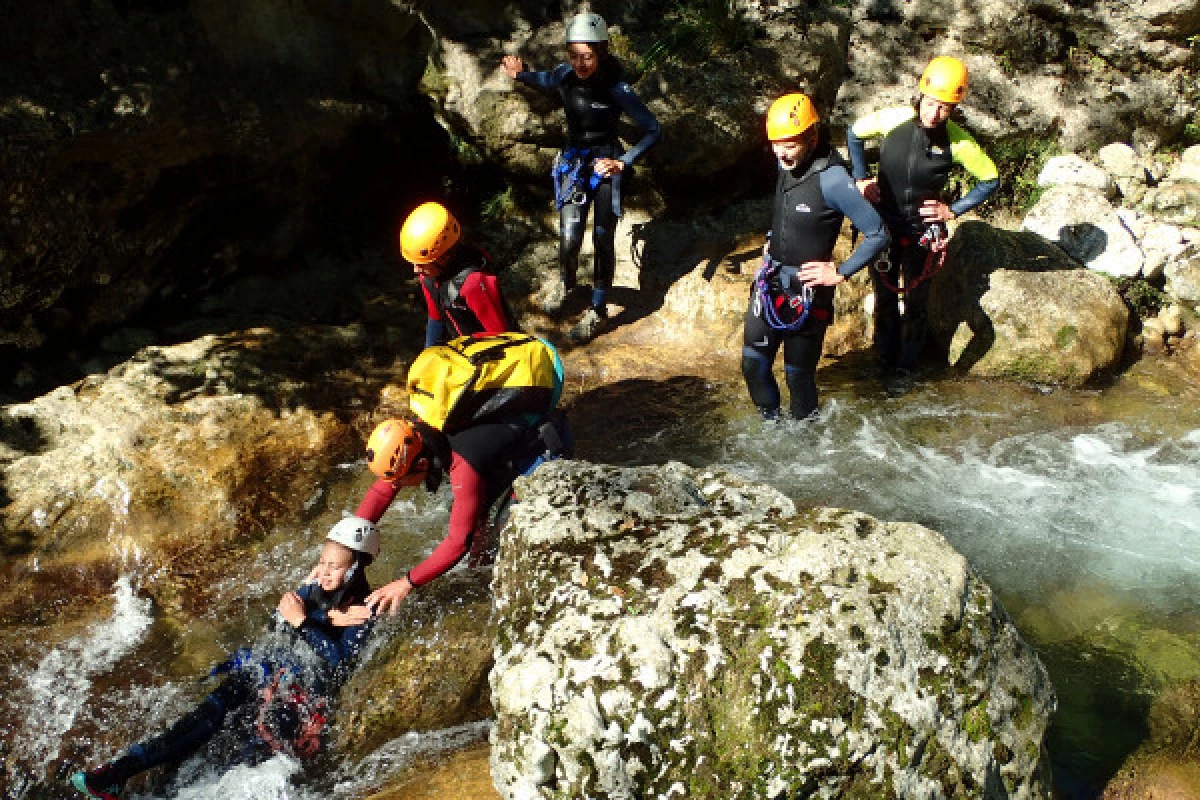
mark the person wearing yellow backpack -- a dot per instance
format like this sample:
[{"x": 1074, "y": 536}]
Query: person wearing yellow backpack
[
  {"x": 462, "y": 292},
  {"x": 484, "y": 413},
  {"x": 920, "y": 145}
]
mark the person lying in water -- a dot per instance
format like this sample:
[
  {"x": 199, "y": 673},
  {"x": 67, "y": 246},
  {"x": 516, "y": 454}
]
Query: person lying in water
[{"x": 275, "y": 695}]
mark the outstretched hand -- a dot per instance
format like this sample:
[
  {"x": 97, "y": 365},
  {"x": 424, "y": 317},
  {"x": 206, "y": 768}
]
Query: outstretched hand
[
  {"x": 349, "y": 616},
  {"x": 820, "y": 273},
  {"x": 512, "y": 65},
  {"x": 388, "y": 598}
]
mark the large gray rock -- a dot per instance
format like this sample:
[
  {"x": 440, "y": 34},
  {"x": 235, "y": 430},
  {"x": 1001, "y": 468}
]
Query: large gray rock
[
  {"x": 1074, "y": 170},
  {"x": 1084, "y": 224},
  {"x": 1183, "y": 282},
  {"x": 672, "y": 632},
  {"x": 1011, "y": 304},
  {"x": 1165, "y": 244}
]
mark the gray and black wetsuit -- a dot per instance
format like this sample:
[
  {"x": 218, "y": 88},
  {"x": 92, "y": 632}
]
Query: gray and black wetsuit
[{"x": 593, "y": 108}]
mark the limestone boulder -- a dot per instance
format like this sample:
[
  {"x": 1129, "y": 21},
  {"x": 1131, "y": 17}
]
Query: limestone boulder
[
  {"x": 1174, "y": 203},
  {"x": 1165, "y": 244},
  {"x": 1074, "y": 170},
  {"x": 1083, "y": 223},
  {"x": 1187, "y": 169},
  {"x": 1010, "y": 304},
  {"x": 1183, "y": 282},
  {"x": 668, "y": 631},
  {"x": 426, "y": 669},
  {"x": 1125, "y": 166}
]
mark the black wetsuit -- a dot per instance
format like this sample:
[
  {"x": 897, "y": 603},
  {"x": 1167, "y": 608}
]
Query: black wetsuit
[
  {"x": 914, "y": 166},
  {"x": 810, "y": 204},
  {"x": 593, "y": 108},
  {"x": 467, "y": 295}
]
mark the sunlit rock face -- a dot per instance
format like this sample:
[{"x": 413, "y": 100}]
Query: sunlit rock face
[
  {"x": 1010, "y": 304},
  {"x": 670, "y": 631}
]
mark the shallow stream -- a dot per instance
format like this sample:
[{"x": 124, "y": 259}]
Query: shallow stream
[{"x": 1080, "y": 507}]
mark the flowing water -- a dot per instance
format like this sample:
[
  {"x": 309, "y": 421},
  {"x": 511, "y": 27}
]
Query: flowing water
[{"x": 1081, "y": 508}]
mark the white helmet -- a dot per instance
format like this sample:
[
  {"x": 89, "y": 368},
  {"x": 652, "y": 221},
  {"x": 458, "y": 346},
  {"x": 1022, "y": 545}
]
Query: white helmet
[
  {"x": 587, "y": 27},
  {"x": 360, "y": 535}
]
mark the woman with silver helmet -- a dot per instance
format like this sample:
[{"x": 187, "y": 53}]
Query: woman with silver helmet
[{"x": 588, "y": 172}]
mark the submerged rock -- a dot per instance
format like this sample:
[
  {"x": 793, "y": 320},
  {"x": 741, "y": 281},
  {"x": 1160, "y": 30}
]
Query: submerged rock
[
  {"x": 425, "y": 670},
  {"x": 673, "y": 632},
  {"x": 1010, "y": 304}
]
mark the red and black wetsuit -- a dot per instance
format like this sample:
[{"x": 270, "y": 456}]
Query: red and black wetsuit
[
  {"x": 467, "y": 295},
  {"x": 483, "y": 461}
]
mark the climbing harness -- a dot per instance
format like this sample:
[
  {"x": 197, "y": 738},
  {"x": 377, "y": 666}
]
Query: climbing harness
[
  {"x": 933, "y": 240},
  {"x": 570, "y": 185},
  {"x": 290, "y": 719},
  {"x": 782, "y": 310}
]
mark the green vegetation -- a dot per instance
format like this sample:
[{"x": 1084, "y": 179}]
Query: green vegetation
[
  {"x": 1142, "y": 297},
  {"x": 1019, "y": 161},
  {"x": 694, "y": 31}
]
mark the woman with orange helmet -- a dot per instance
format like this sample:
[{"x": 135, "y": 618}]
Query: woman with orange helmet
[
  {"x": 456, "y": 277},
  {"x": 791, "y": 299},
  {"x": 482, "y": 461},
  {"x": 919, "y": 147},
  {"x": 588, "y": 172}
]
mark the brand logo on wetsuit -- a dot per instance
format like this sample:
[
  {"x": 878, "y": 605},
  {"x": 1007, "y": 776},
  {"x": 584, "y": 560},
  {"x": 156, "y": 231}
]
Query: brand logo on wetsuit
[
  {"x": 803, "y": 208},
  {"x": 600, "y": 106}
]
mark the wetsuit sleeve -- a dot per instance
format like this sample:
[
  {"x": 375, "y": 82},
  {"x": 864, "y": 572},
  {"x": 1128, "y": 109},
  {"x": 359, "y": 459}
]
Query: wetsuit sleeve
[
  {"x": 546, "y": 81},
  {"x": 968, "y": 154},
  {"x": 858, "y": 154},
  {"x": 646, "y": 122},
  {"x": 841, "y": 193},
  {"x": 435, "y": 329},
  {"x": 317, "y": 614},
  {"x": 378, "y": 498},
  {"x": 466, "y": 513},
  {"x": 978, "y": 194},
  {"x": 481, "y": 292}
]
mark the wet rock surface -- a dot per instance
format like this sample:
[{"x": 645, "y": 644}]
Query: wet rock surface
[
  {"x": 678, "y": 631},
  {"x": 426, "y": 669}
]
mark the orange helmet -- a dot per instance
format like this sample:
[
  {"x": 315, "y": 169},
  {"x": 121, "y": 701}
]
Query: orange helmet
[
  {"x": 945, "y": 79},
  {"x": 428, "y": 233},
  {"x": 789, "y": 116},
  {"x": 393, "y": 449}
]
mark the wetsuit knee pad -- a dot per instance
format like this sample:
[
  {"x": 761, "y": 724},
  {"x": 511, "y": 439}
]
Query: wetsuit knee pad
[{"x": 756, "y": 369}]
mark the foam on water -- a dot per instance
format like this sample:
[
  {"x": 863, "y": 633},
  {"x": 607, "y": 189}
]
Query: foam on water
[
  {"x": 1121, "y": 506},
  {"x": 60, "y": 685}
]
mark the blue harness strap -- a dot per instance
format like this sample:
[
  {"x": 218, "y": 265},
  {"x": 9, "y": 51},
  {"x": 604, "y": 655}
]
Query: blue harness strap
[
  {"x": 768, "y": 303},
  {"x": 567, "y": 174}
]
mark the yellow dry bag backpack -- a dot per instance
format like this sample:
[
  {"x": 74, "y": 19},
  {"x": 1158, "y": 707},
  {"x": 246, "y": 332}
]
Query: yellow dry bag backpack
[{"x": 476, "y": 378}]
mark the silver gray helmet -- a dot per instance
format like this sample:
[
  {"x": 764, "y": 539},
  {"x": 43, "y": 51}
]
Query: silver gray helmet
[{"x": 587, "y": 27}]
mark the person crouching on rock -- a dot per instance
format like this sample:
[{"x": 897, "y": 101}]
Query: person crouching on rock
[
  {"x": 588, "y": 171},
  {"x": 919, "y": 146},
  {"x": 462, "y": 292},
  {"x": 482, "y": 462},
  {"x": 791, "y": 298},
  {"x": 275, "y": 697}
]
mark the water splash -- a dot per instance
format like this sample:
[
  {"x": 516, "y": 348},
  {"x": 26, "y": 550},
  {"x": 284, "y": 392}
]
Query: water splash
[
  {"x": 59, "y": 687},
  {"x": 1119, "y": 504},
  {"x": 270, "y": 780},
  {"x": 401, "y": 754}
]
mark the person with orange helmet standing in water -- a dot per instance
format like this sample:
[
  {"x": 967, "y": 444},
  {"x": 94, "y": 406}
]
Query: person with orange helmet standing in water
[
  {"x": 919, "y": 146},
  {"x": 590, "y": 169},
  {"x": 791, "y": 298},
  {"x": 462, "y": 293}
]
